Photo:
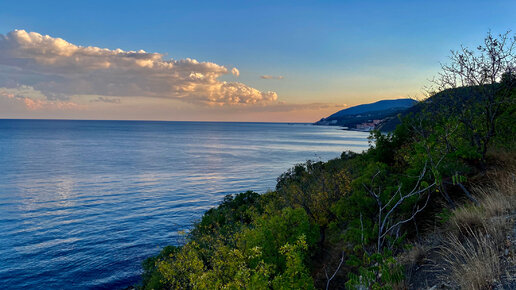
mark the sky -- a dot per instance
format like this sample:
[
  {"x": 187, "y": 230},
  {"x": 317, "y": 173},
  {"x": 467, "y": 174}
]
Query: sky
[{"x": 259, "y": 61}]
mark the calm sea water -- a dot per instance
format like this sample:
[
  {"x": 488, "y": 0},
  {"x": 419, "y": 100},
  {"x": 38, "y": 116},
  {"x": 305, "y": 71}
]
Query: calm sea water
[{"x": 82, "y": 203}]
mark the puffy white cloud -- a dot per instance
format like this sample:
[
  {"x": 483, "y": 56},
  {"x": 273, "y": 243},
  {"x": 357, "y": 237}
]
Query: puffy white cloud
[
  {"x": 269, "y": 77},
  {"x": 59, "y": 69}
]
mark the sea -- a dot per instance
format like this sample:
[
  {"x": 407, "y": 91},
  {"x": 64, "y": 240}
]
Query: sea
[{"x": 83, "y": 203}]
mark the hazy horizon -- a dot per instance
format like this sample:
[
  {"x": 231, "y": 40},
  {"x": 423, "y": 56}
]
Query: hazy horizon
[{"x": 159, "y": 120}]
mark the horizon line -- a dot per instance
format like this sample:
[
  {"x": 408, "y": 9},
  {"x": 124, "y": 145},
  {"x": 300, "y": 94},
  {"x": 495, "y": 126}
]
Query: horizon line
[{"x": 141, "y": 120}]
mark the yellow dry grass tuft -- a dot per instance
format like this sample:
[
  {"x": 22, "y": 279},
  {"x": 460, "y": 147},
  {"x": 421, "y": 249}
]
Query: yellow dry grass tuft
[
  {"x": 465, "y": 218},
  {"x": 477, "y": 233},
  {"x": 494, "y": 202},
  {"x": 473, "y": 262}
]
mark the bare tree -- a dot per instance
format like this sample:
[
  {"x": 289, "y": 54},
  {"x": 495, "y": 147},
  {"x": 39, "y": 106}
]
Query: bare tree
[
  {"x": 488, "y": 71},
  {"x": 386, "y": 223},
  {"x": 330, "y": 278}
]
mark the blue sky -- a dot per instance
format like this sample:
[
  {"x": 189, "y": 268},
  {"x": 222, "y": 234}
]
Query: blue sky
[{"x": 328, "y": 52}]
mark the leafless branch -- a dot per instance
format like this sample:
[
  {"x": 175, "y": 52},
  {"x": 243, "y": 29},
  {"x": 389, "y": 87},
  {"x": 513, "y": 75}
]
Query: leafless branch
[{"x": 328, "y": 279}]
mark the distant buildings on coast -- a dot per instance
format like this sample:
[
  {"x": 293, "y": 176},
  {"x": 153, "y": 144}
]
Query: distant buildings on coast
[{"x": 368, "y": 126}]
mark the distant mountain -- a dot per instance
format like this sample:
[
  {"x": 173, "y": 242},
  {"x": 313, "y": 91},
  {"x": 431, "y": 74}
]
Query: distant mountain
[
  {"x": 451, "y": 99},
  {"x": 373, "y": 107},
  {"x": 367, "y": 116}
]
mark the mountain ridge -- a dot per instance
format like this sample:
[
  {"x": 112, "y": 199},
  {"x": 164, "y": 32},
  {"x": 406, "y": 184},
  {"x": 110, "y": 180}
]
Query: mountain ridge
[
  {"x": 376, "y": 106},
  {"x": 367, "y": 116}
]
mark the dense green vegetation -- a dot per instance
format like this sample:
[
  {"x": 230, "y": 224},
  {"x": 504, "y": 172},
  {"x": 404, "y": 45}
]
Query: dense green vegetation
[{"x": 340, "y": 223}]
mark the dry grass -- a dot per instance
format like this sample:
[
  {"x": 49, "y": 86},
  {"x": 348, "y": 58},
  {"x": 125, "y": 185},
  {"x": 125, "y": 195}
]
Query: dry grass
[
  {"x": 466, "y": 218},
  {"x": 504, "y": 181},
  {"x": 503, "y": 176},
  {"x": 471, "y": 253},
  {"x": 494, "y": 202},
  {"x": 414, "y": 256},
  {"x": 477, "y": 234},
  {"x": 473, "y": 262},
  {"x": 502, "y": 158}
]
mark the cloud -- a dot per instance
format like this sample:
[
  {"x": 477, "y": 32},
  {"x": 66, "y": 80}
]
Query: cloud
[
  {"x": 290, "y": 107},
  {"x": 106, "y": 100},
  {"x": 35, "y": 100},
  {"x": 235, "y": 72},
  {"x": 268, "y": 77},
  {"x": 59, "y": 69}
]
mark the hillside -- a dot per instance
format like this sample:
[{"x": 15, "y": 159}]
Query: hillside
[
  {"x": 451, "y": 99},
  {"x": 430, "y": 205},
  {"x": 367, "y": 116}
]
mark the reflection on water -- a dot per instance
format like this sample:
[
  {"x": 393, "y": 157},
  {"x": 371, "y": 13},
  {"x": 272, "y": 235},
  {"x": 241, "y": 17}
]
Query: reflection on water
[{"x": 82, "y": 203}]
